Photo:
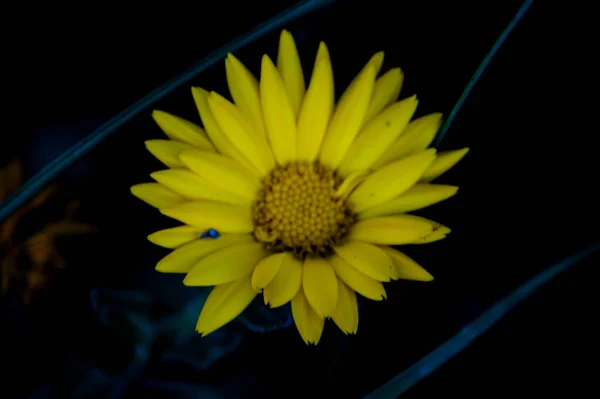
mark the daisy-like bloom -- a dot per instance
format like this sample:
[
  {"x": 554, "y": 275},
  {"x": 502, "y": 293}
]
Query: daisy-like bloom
[{"x": 285, "y": 193}]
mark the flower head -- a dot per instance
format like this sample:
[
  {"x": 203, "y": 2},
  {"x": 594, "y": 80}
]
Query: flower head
[{"x": 286, "y": 193}]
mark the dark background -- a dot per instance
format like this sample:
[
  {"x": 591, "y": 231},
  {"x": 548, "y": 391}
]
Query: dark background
[{"x": 527, "y": 195}]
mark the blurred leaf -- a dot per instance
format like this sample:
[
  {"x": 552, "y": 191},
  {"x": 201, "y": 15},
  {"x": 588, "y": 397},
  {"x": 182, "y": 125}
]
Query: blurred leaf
[
  {"x": 11, "y": 177},
  {"x": 180, "y": 390},
  {"x": 262, "y": 319},
  {"x": 203, "y": 352},
  {"x": 28, "y": 252},
  {"x": 170, "y": 337},
  {"x": 69, "y": 227}
]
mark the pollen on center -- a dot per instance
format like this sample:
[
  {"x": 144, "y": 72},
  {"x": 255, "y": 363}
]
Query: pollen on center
[{"x": 297, "y": 210}]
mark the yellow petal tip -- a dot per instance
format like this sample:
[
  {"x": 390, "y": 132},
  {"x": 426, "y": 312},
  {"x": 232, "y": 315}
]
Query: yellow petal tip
[
  {"x": 186, "y": 280},
  {"x": 285, "y": 34},
  {"x": 461, "y": 153},
  {"x": 378, "y": 59},
  {"x": 166, "y": 211},
  {"x": 197, "y": 90},
  {"x": 203, "y": 332},
  {"x": 267, "y": 62},
  {"x": 213, "y": 94}
]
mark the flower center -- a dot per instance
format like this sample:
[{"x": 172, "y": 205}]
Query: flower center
[{"x": 298, "y": 211}]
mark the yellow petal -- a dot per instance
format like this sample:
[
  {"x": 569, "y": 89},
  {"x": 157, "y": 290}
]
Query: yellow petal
[
  {"x": 356, "y": 280},
  {"x": 437, "y": 235},
  {"x": 350, "y": 183},
  {"x": 417, "y": 136},
  {"x": 443, "y": 163},
  {"x": 243, "y": 87},
  {"x": 280, "y": 119},
  {"x": 319, "y": 283},
  {"x": 367, "y": 259},
  {"x": 347, "y": 119},
  {"x": 317, "y": 108},
  {"x": 179, "y": 129},
  {"x": 167, "y": 151},
  {"x": 308, "y": 322},
  {"x": 391, "y": 230},
  {"x": 189, "y": 185},
  {"x": 184, "y": 258},
  {"x": 377, "y": 136},
  {"x": 223, "y": 304},
  {"x": 174, "y": 237},
  {"x": 223, "y": 172},
  {"x": 435, "y": 225},
  {"x": 390, "y": 181},
  {"x": 157, "y": 195},
  {"x": 286, "y": 283},
  {"x": 407, "y": 268},
  {"x": 375, "y": 63},
  {"x": 439, "y": 230},
  {"x": 346, "y": 312},
  {"x": 322, "y": 55},
  {"x": 239, "y": 132},
  {"x": 386, "y": 91},
  {"x": 266, "y": 270},
  {"x": 221, "y": 142},
  {"x": 417, "y": 197},
  {"x": 290, "y": 69},
  {"x": 226, "y": 265},
  {"x": 225, "y": 218}
]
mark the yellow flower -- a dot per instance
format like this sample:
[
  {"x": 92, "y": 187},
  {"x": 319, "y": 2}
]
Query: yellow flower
[{"x": 307, "y": 195}]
